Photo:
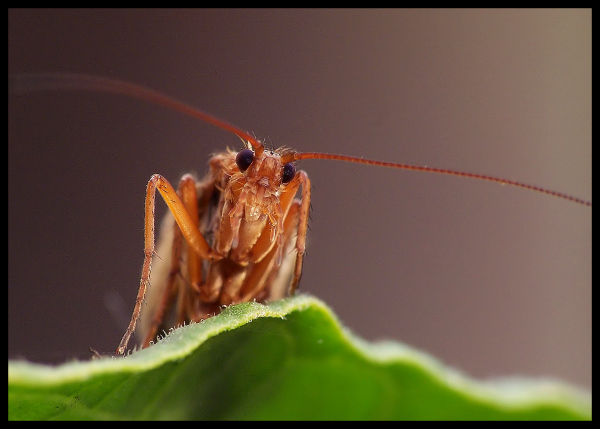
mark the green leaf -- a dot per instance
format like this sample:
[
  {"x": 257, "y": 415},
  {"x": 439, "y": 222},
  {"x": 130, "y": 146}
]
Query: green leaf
[{"x": 287, "y": 360}]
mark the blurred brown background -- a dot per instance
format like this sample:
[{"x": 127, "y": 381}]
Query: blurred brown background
[{"x": 490, "y": 279}]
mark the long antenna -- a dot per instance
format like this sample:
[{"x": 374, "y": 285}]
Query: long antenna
[
  {"x": 27, "y": 82},
  {"x": 22, "y": 83},
  {"x": 296, "y": 156}
]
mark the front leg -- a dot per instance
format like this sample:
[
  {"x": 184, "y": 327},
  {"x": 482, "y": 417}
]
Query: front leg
[
  {"x": 302, "y": 229},
  {"x": 189, "y": 230}
]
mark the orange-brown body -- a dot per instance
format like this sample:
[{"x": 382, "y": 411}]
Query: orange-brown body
[{"x": 235, "y": 236}]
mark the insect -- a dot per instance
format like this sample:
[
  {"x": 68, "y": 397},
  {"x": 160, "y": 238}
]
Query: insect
[{"x": 236, "y": 235}]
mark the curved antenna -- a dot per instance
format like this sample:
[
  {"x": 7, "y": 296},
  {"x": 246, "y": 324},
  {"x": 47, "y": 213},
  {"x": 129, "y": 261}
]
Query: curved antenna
[
  {"x": 296, "y": 156},
  {"x": 22, "y": 83}
]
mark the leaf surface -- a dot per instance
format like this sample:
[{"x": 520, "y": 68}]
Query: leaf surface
[{"x": 290, "y": 359}]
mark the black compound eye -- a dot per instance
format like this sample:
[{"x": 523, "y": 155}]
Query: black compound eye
[
  {"x": 289, "y": 171},
  {"x": 244, "y": 159}
]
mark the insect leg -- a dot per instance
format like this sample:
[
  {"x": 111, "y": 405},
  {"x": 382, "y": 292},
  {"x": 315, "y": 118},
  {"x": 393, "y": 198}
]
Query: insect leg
[
  {"x": 189, "y": 197},
  {"x": 189, "y": 230},
  {"x": 302, "y": 228},
  {"x": 170, "y": 290},
  {"x": 188, "y": 227},
  {"x": 187, "y": 192}
]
